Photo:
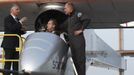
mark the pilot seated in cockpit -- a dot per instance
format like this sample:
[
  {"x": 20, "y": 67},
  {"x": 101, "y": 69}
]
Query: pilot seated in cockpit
[{"x": 50, "y": 27}]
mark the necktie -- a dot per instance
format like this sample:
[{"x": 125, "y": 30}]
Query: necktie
[{"x": 16, "y": 19}]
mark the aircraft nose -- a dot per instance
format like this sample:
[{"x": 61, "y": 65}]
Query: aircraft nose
[{"x": 39, "y": 52}]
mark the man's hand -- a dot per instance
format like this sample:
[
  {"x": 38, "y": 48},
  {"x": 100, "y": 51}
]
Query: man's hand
[
  {"x": 23, "y": 28},
  {"x": 23, "y": 19},
  {"x": 78, "y": 32}
]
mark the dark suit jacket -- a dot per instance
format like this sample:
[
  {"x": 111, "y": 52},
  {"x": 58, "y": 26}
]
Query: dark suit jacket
[{"x": 11, "y": 27}]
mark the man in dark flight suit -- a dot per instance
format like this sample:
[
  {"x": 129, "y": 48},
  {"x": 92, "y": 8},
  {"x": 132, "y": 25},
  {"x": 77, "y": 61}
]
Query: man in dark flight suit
[
  {"x": 12, "y": 25},
  {"x": 76, "y": 25}
]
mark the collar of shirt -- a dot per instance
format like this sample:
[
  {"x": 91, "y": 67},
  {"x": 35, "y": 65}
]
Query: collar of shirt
[
  {"x": 51, "y": 32},
  {"x": 13, "y": 16}
]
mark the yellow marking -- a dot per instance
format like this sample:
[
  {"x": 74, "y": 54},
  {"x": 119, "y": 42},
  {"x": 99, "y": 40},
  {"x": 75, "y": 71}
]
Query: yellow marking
[{"x": 3, "y": 60}]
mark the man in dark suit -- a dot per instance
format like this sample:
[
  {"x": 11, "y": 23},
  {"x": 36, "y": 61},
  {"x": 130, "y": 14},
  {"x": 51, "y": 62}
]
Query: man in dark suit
[
  {"x": 12, "y": 25},
  {"x": 76, "y": 25}
]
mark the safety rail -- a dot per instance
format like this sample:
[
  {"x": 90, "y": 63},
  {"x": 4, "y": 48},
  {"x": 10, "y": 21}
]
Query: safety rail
[
  {"x": 3, "y": 60},
  {"x": 20, "y": 40}
]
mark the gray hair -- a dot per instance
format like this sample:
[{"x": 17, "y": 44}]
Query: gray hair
[{"x": 14, "y": 6}]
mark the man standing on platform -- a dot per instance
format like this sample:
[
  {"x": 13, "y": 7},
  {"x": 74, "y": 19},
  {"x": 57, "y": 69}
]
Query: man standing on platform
[
  {"x": 76, "y": 25},
  {"x": 12, "y": 25}
]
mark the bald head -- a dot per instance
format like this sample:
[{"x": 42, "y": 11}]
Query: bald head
[
  {"x": 15, "y": 10},
  {"x": 68, "y": 8}
]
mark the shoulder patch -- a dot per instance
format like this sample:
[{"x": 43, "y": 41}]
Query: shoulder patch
[{"x": 79, "y": 14}]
